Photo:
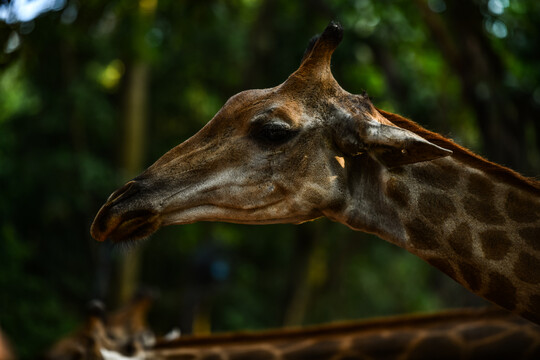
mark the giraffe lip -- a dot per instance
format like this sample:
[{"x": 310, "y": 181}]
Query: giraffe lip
[{"x": 128, "y": 226}]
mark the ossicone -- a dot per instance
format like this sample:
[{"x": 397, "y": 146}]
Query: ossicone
[{"x": 316, "y": 60}]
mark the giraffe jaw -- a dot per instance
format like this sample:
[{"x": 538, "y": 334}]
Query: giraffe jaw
[
  {"x": 207, "y": 212},
  {"x": 118, "y": 225}
]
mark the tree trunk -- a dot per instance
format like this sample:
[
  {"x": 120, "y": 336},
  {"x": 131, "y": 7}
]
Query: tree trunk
[
  {"x": 310, "y": 272},
  {"x": 134, "y": 125}
]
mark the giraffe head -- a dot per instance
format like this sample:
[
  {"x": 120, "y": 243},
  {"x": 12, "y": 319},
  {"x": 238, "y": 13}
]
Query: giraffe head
[
  {"x": 108, "y": 335},
  {"x": 278, "y": 155}
]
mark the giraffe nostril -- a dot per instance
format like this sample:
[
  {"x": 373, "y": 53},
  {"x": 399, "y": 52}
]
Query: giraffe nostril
[{"x": 129, "y": 189}]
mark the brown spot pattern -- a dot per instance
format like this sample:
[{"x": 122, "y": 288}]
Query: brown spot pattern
[
  {"x": 436, "y": 208},
  {"x": 252, "y": 354},
  {"x": 421, "y": 235},
  {"x": 321, "y": 350},
  {"x": 501, "y": 291},
  {"x": 512, "y": 346},
  {"x": 534, "y": 317},
  {"x": 480, "y": 332},
  {"x": 531, "y": 235},
  {"x": 521, "y": 209},
  {"x": 480, "y": 186},
  {"x": 527, "y": 268},
  {"x": 185, "y": 357},
  {"x": 534, "y": 302},
  {"x": 471, "y": 276},
  {"x": 460, "y": 240},
  {"x": 380, "y": 347},
  {"x": 441, "y": 177},
  {"x": 435, "y": 347},
  {"x": 535, "y": 353},
  {"x": 443, "y": 265},
  {"x": 212, "y": 357},
  {"x": 398, "y": 192},
  {"x": 495, "y": 244},
  {"x": 483, "y": 211}
]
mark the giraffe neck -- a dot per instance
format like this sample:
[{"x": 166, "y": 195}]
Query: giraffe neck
[
  {"x": 461, "y": 334},
  {"x": 480, "y": 230}
]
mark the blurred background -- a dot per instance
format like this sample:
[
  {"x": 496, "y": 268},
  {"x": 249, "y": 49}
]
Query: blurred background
[{"x": 92, "y": 92}]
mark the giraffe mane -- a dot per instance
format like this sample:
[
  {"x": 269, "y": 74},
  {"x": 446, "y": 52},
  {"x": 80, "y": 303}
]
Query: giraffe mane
[{"x": 465, "y": 155}]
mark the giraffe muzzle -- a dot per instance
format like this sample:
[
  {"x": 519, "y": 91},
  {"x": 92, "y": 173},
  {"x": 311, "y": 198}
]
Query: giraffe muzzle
[{"x": 120, "y": 220}]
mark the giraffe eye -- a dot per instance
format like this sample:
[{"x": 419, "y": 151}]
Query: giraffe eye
[{"x": 276, "y": 134}]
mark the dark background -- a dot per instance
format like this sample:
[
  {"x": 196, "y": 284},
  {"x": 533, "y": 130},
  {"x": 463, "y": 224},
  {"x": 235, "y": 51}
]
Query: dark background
[{"x": 92, "y": 92}]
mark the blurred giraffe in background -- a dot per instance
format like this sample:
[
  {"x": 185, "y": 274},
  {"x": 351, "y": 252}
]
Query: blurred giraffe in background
[
  {"x": 108, "y": 336},
  {"x": 457, "y": 334},
  {"x": 307, "y": 148},
  {"x": 6, "y": 353}
]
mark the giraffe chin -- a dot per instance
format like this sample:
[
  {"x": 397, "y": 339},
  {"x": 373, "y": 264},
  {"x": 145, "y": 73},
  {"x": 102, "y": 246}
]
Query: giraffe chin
[{"x": 130, "y": 226}]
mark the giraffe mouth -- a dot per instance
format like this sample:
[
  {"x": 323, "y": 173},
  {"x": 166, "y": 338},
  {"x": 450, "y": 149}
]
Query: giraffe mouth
[
  {"x": 121, "y": 219},
  {"x": 128, "y": 226}
]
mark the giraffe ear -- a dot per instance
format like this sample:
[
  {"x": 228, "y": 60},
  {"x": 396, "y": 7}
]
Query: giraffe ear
[{"x": 390, "y": 145}]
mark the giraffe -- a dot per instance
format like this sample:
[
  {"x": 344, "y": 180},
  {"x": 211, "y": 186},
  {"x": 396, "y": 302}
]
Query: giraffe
[
  {"x": 117, "y": 335},
  {"x": 87, "y": 341},
  {"x": 307, "y": 148},
  {"x": 457, "y": 334},
  {"x": 6, "y": 353},
  {"x": 452, "y": 334}
]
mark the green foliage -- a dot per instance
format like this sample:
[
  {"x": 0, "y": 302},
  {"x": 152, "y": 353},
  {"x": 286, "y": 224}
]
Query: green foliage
[{"x": 62, "y": 103}]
